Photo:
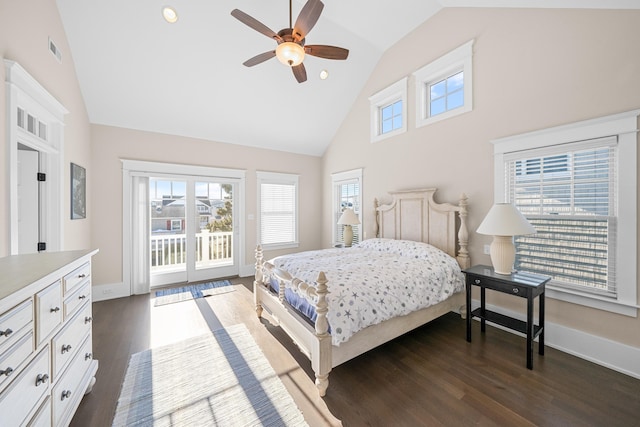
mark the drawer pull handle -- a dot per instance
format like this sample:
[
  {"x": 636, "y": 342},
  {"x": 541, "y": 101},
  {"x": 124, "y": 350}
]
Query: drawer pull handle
[
  {"x": 81, "y": 297},
  {"x": 55, "y": 309},
  {"x": 88, "y": 319},
  {"x": 88, "y": 356},
  {"x": 516, "y": 290},
  {"x": 6, "y": 332},
  {"x": 82, "y": 276},
  {"x": 477, "y": 281},
  {"x": 66, "y": 348},
  {"x": 41, "y": 379},
  {"x": 65, "y": 394},
  {"x": 7, "y": 371}
]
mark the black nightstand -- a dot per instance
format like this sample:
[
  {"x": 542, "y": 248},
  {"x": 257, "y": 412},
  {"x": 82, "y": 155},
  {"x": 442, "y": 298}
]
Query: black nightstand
[{"x": 523, "y": 285}]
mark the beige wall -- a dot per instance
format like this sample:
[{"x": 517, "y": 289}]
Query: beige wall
[
  {"x": 110, "y": 144},
  {"x": 25, "y": 27},
  {"x": 532, "y": 69}
]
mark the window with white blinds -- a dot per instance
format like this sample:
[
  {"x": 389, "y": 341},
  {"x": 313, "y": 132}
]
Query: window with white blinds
[
  {"x": 278, "y": 199},
  {"x": 347, "y": 193},
  {"x": 568, "y": 193}
]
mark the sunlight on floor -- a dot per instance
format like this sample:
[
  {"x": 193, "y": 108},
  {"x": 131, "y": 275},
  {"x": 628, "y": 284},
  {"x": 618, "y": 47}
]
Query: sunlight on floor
[{"x": 175, "y": 322}]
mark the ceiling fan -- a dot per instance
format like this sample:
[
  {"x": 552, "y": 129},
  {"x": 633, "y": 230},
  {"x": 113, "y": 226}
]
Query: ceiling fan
[{"x": 291, "y": 47}]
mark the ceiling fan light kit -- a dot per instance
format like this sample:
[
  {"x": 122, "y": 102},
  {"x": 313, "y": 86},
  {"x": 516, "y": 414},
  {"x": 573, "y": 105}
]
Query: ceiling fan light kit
[
  {"x": 290, "y": 53},
  {"x": 291, "y": 47}
]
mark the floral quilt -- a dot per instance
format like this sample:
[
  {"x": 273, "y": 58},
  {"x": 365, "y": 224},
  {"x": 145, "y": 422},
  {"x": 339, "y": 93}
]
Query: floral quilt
[{"x": 376, "y": 280}]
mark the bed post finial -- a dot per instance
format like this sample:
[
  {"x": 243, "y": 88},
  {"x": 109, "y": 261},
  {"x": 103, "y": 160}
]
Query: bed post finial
[
  {"x": 376, "y": 205},
  {"x": 259, "y": 258},
  {"x": 258, "y": 280},
  {"x": 463, "y": 234}
]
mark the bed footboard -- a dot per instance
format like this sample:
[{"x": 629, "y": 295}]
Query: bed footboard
[{"x": 316, "y": 343}]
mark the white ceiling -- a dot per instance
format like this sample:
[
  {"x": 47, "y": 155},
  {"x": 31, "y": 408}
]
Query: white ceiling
[{"x": 137, "y": 71}]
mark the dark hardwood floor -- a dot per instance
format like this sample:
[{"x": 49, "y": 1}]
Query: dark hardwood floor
[{"x": 430, "y": 376}]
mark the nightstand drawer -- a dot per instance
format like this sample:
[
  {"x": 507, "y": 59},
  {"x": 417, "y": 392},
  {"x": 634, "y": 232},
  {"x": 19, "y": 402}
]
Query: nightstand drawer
[{"x": 495, "y": 285}]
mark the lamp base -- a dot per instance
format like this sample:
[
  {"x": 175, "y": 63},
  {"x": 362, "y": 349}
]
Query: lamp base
[
  {"x": 347, "y": 236},
  {"x": 503, "y": 254}
]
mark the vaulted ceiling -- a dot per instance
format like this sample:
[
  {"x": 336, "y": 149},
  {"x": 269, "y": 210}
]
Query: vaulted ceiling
[{"x": 137, "y": 71}]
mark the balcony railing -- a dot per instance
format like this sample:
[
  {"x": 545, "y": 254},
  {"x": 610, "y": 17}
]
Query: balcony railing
[{"x": 168, "y": 252}]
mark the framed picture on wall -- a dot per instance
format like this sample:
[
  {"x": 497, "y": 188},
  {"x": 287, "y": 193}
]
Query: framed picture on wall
[{"x": 78, "y": 192}]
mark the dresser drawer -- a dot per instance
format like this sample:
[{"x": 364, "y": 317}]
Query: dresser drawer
[
  {"x": 71, "y": 387},
  {"x": 43, "y": 417},
  {"x": 76, "y": 277},
  {"x": 48, "y": 311},
  {"x": 75, "y": 300},
  {"x": 66, "y": 343},
  {"x": 18, "y": 401},
  {"x": 13, "y": 321},
  {"x": 12, "y": 360}
]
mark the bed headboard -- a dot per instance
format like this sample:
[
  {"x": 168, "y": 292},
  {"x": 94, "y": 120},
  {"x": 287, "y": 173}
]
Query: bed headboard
[{"x": 414, "y": 215}]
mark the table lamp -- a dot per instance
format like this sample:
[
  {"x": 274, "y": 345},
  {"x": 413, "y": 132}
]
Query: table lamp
[
  {"x": 503, "y": 222},
  {"x": 348, "y": 218}
]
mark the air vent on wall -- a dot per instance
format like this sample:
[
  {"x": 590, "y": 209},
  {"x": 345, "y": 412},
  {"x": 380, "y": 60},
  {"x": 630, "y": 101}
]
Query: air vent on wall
[{"x": 54, "y": 50}]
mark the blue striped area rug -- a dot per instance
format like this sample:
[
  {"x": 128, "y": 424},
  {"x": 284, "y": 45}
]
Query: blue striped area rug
[{"x": 186, "y": 293}]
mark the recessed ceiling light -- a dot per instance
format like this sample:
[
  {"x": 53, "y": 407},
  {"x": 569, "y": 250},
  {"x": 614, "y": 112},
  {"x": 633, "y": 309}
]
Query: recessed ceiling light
[
  {"x": 324, "y": 74},
  {"x": 169, "y": 14}
]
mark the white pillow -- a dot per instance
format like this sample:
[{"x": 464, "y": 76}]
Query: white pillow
[{"x": 406, "y": 248}]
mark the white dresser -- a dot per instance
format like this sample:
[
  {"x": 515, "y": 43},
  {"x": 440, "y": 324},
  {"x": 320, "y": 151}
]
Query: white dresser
[{"x": 46, "y": 360}]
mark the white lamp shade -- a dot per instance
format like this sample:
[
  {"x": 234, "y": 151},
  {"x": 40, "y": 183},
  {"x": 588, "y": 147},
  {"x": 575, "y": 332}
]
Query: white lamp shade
[
  {"x": 504, "y": 219},
  {"x": 348, "y": 217}
]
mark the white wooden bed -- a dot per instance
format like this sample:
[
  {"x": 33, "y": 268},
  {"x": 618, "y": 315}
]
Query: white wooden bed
[{"x": 411, "y": 215}]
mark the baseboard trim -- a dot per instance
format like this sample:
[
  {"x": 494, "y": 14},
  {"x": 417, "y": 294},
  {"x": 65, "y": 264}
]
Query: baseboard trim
[
  {"x": 601, "y": 351},
  {"x": 109, "y": 291},
  {"x": 247, "y": 270}
]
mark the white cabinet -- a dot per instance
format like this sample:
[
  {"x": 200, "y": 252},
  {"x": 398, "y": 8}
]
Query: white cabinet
[{"x": 46, "y": 358}]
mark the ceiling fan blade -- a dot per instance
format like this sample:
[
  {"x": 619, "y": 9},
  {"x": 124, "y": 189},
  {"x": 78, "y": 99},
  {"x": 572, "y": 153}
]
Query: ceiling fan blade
[
  {"x": 255, "y": 24},
  {"x": 300, "y": 73},
  {"x": 307, "y": 19},
  {"x": 327, "y": 52},
  {"x": 258, "y": 59}
]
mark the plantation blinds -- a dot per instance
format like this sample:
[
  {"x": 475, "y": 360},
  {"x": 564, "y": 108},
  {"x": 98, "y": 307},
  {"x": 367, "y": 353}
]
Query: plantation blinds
[
  {"x": 278, "y": 212},
  {"x": 568, "y": 193}
]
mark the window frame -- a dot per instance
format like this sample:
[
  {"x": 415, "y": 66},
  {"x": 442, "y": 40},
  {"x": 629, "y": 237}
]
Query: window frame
[
  {"x": 448, "y": 65},
  {"x": 388, "y": 96},
  {"x": 623, "y": 126},
  {"x": 280, "y": 179},
  {"x": 338, "y": 179}
]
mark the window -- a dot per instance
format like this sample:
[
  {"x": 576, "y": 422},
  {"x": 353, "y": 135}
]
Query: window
[
  {"x": 391, "y": 117},
  {"x": 347, "y": 193},
  {"x": 447, "y": 94},
  {"x": 388, "y": 117},
  {"x": 572, "y": 184},
  {"x": 444, "y": 87},
  {"x": 278, "y": 207},
  {"x": 571, "y": 201}
]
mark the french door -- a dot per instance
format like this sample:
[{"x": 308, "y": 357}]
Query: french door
[{"x": 192, "y": 234}]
